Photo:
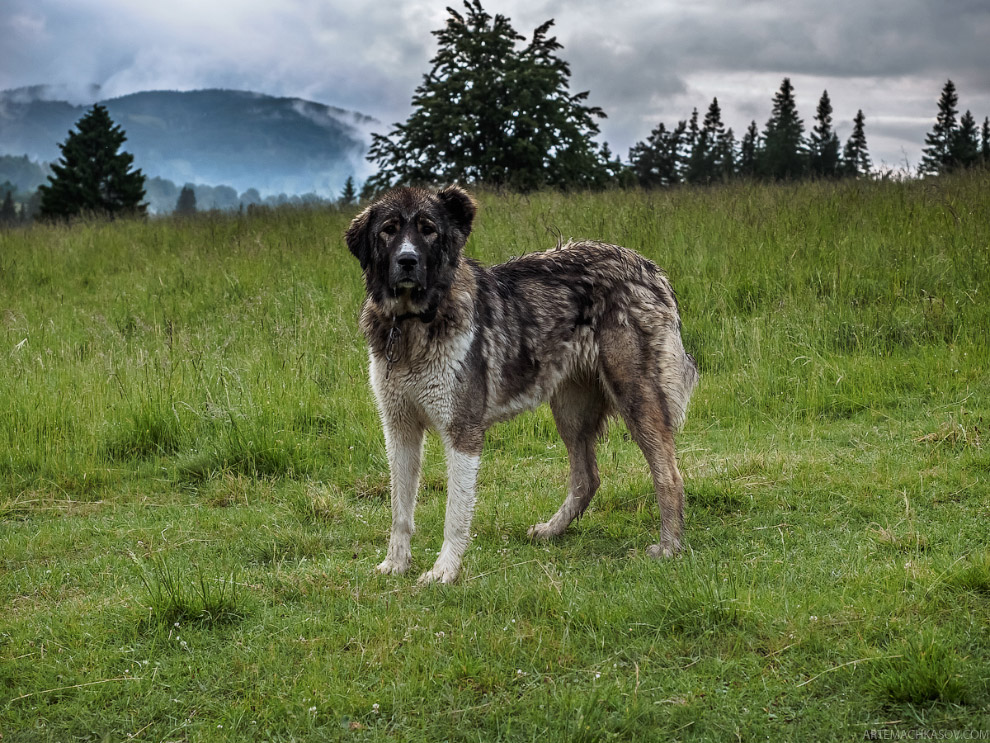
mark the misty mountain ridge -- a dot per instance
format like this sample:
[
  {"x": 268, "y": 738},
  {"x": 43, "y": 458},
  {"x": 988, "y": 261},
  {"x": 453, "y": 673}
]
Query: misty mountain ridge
[{"x": 221, "y": 137}]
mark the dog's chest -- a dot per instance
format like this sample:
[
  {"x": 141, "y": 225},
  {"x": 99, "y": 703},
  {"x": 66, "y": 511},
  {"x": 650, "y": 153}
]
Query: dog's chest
[{"x": 425, "y": 377}]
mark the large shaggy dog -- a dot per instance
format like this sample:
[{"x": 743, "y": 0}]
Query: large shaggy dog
[{"x": 456, "y": 346}]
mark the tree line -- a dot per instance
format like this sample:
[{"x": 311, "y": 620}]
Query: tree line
[
  {"x": 707, "y": 152},
  {"x": 496, "y": 109}
]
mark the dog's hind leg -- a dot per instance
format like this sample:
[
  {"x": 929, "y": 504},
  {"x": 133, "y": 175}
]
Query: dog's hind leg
[
  {"x": 404, "y": 446},
  {"x": 580, "y": 410},
  {"x": 639, "y": 396}
]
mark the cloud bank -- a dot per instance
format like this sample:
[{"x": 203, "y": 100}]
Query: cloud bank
[{"x": 642, "y": 63}]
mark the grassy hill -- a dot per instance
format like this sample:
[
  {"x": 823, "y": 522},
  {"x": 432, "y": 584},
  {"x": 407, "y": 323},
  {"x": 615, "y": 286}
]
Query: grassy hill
[{"x": 193, "y": 488}]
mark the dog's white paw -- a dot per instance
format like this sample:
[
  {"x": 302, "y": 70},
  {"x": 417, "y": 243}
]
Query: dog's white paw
[
  {"x": 542, "y": 531},
  {"x": 662, "y": 552},
  {"x": 392, "y": 566},
  {"x": 445, "y": 573}
]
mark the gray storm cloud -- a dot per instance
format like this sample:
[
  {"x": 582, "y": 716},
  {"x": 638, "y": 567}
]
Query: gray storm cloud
[{"x": 642, "y": 63}]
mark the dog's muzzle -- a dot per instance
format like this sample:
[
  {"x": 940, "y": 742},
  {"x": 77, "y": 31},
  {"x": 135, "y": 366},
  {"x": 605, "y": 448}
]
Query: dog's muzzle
[{"x": 408, "y": 268}]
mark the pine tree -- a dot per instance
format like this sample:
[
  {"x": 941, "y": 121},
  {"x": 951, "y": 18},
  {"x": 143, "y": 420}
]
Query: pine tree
[
  {"x": 985, "y": 142},
  {"x": 725, "y": 156},
  {"x": 694, "y": 150},
  {"x": 966, "y": 143},
  {"x": 937, "y": 156},
  {"x": 185, "y": 205},
  {"x": 823, "y": 149},
  {"x": 92, "y": 177},
  {"x": 749, "y": 150},
  {"x": 783, "y": 155},
  {"x": 855, "y": 155},
  {"x": 657, "y": 161},
  {"x": 491, "y": 112},
  {"x": 703, "y": 162},
  {"x": 349, "y": 195}
]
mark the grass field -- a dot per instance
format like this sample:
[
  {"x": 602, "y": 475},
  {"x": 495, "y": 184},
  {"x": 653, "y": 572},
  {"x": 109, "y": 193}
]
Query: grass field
[{"x": 194, "y": 493}]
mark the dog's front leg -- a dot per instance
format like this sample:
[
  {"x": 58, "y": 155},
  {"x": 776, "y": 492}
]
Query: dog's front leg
[
  {"x": 404, "y": 446},
  {"x": 462, "y": 477}
]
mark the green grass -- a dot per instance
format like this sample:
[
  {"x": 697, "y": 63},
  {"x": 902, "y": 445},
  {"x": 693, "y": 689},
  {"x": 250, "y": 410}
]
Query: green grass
[{"x": 194, "y": 492}]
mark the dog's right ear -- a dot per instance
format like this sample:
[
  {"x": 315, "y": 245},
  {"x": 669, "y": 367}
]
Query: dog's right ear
[{"x": 358, "y": 236}]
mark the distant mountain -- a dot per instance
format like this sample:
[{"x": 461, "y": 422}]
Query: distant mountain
[{"x": 237, "y": 138}]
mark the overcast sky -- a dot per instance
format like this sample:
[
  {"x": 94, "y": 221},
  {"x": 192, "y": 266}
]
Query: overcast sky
[{"x": 643, "y": 62}]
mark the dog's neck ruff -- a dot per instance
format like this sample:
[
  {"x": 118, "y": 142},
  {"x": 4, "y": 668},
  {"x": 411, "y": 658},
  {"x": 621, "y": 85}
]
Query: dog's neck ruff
[{"x": 395, "y": 335}]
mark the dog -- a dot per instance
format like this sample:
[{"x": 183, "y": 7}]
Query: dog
[{"x": 593, "y": 329}]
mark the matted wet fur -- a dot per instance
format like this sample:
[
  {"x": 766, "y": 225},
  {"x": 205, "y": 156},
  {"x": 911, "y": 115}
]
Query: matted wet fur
[{"x": 455, "y": 346}]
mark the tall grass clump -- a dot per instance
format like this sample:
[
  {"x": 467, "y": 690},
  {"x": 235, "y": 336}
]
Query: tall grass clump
[
  {"x": 924, "y": 669},
  {"x": 173, "y": 596}
]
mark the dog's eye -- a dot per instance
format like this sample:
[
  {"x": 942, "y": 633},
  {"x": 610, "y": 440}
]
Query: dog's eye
[
  {"x": 427, "y": 229},
  {"x": 390, "y": 229}
]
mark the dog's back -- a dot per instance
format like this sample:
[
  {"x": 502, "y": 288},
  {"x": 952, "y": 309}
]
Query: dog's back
[{"x": 548, "y": 315}]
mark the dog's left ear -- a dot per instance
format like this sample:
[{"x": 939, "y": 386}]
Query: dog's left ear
[
  {"x": 460, "y": 207},
  {"x": 358, "y": 236}
]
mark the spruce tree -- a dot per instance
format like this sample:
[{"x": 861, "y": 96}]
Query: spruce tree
[
  {"x": 185, "y": 205},
  {"x": 92, "y": 177},
  {"x": 704, "y": 160},
  {"x": 725, "y": 156},
  {"x": 693, "y": 149},
  {"x": 349, "y": 195},
  {"x": 855, "y": 155},
  {"x": 493, "y": 110},
  {"x": 749, "y": 152},
  {"x": 783, "y": 155},
  {"x": 823, "y": 149},
  {"x": 966, "y": 143},
  {"x": 937, "y": 156},
  {"x": 985, "y": 142}
]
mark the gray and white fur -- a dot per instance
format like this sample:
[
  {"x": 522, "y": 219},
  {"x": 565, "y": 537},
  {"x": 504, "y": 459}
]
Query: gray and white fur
[{"x": 455, "y": 346}]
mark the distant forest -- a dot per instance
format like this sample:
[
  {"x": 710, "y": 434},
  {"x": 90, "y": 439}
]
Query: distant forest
[
  {"x": 20, "y": 177},
  {"x": 696, "y": 151}
]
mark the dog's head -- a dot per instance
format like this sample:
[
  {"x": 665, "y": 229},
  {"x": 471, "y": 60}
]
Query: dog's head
[{"x": 409, "y": 243}]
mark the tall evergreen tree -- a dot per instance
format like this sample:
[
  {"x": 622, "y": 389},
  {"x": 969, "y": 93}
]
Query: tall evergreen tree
[
  {"x": 725, "y": 156},
  {"x": 693, "y": 150},
  {"x": 985, "y": 142},
  {"x": 657, "y": 161},
  {"x": 966, "y": 143},
  {"x": 823, "y": 146},
  {"x": 349, "y": 195},
  {"x": 783, "y": 155},
  {"x": 937, "y": 156},
  {"x": 703, "y": 162},
  {"x": 749, "y": 151},
  {"x": 855, "y": 155},
  {"x": 185, "y": 205},
  {"x": 92, "y": 177},
  {"x": 490, "y": 111}
]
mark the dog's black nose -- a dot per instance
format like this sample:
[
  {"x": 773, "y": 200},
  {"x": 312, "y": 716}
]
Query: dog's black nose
[{"x": 408, "y": 262}]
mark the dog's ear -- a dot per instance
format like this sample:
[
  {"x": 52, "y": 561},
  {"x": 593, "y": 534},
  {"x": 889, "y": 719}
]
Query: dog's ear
[
  {"x": 460, "y": 207},
  {"x": 358, "y": 236}
]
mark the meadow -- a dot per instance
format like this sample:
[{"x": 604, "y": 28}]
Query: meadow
[{"x": 194, "y": 491}]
